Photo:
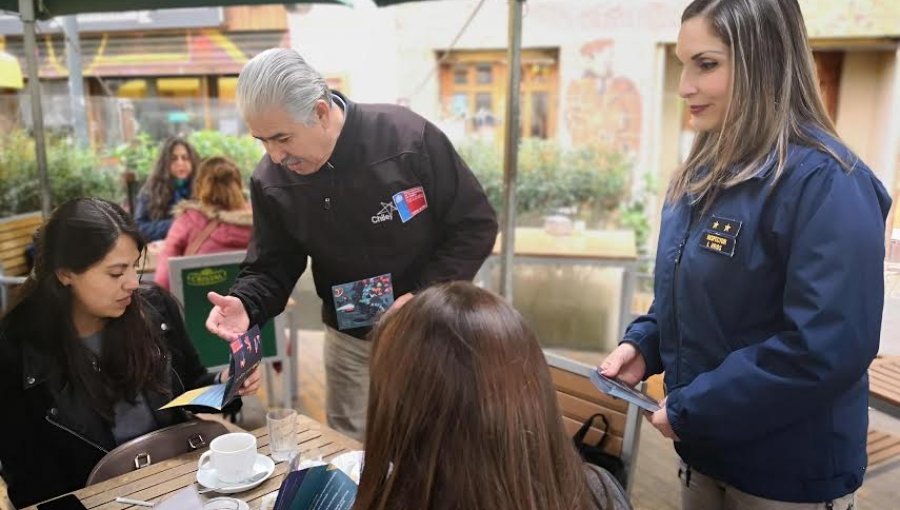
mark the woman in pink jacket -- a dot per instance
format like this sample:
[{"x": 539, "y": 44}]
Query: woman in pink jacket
[{"x": 217, "y": 219}]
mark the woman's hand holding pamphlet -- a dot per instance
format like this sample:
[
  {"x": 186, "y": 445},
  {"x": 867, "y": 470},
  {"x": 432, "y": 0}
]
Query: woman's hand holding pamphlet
[
  {"x": 246, "y": 353},
  {"x": 618, "y": 389}
]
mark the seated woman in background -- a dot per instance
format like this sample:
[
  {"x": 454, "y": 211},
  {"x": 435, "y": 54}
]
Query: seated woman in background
[
  {"x": 217, "y": 220},
  {"x": 87, "y": 357},
  {"x": 168, "y": 184},
  {"x": 462, "y": 414}
]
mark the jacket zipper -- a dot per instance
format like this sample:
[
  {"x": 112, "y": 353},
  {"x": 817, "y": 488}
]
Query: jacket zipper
[
  {"x": 678, "y": 254},
  {"x": 76, "y": 434},
  {"x": 178, "y": 377}
]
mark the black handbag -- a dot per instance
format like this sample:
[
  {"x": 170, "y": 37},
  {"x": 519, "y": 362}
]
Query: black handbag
[{"x": 595, "y": 455}]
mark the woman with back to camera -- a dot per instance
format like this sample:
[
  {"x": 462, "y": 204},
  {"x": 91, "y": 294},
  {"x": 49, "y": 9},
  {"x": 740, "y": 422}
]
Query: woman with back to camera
[
  {"x": 168, "y": 183},
  {"x": 768, "y": 278},
  {"x": 463, "y": 415},
  {"x": 217, "y": 219},
  {"x": 87, "y": 357}
]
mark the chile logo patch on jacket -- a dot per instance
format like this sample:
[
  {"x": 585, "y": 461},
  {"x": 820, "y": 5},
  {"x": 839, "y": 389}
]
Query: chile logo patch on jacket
[{"x": 410, "y": 202}]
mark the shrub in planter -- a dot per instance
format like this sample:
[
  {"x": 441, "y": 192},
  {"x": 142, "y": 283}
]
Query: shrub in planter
[
  {"x": 593, "y": 181},
  {"x": 73, "y": 172}
]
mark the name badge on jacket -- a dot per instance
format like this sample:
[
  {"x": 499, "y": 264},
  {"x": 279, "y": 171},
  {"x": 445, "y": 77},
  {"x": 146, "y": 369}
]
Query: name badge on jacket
[{"x": 720, "y": 235}]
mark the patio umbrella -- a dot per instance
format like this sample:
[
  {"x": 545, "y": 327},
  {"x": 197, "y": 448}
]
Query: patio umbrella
[{"x": 46, "y": 9}]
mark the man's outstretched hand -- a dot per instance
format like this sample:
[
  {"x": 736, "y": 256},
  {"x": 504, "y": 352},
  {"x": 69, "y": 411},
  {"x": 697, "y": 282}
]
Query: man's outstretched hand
[{"x": 227, "y": 319}]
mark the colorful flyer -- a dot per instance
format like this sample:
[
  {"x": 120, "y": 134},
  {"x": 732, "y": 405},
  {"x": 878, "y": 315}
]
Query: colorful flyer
[
  {"x": 246, "y": 354},
  {"x": 360, "y": 303}
]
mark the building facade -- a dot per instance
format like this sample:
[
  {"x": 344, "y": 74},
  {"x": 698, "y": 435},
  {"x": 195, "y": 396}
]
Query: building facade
[{"x": 594, "y": 71}]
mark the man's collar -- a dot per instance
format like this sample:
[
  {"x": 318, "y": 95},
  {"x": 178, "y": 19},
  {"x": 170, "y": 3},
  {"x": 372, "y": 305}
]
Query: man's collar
[
  {"x": 338, "y": 100},
  {"x": 342, "y": 153}
]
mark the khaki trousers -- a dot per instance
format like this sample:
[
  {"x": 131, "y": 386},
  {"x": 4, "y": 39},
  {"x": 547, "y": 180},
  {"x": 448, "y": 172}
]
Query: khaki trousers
[
  {"x": 346, "y": 382},
  {"x": 700, "y": 492}
]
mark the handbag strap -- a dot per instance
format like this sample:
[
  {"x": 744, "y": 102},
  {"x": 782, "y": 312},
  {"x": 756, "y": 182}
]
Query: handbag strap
[
  {"x": 204, "y": 234},
  {"x": 579, "y": 436}
]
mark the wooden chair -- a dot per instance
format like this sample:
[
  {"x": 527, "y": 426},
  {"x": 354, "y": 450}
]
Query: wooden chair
[
  {"x": 154, "y": 447},
  {"x": 16, "y": 233},
  {"x": 579, "y": 399}
]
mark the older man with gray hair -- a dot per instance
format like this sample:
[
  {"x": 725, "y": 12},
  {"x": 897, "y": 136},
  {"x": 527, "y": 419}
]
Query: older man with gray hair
[{"x": 374, "y": 194}]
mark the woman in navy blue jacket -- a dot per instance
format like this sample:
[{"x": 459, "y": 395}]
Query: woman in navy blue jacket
[{"x": 769, "y": 275}]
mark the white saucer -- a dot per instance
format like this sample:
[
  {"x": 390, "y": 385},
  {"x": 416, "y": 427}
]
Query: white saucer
[
  {"x": 225, "y": 504},
  {"x": 207, "y": 478}
]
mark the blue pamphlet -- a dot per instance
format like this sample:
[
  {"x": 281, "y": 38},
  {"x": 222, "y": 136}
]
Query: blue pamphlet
[{"x": 317, "y": 488}]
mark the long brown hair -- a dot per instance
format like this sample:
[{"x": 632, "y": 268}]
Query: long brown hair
[
  {"x": 775, "y": 98},
  {"x": 79, "y": 234},
  {"x": 219, "y": 184},
  {"x": 160, "y": 186},
  {"x": 462, "y": 413}
]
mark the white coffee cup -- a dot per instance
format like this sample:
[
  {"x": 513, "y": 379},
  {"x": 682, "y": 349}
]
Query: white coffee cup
[{"x": 232, "y": 456}]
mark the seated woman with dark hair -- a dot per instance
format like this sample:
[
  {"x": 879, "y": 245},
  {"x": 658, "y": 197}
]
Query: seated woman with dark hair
[
  {"x": 87, "y": 357},
  {"x": 463, "y": 414}
]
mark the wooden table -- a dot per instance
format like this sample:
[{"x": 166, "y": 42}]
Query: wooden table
[
  {"x": 599, "y": 248},
  {"x": 158, "y": 481}
]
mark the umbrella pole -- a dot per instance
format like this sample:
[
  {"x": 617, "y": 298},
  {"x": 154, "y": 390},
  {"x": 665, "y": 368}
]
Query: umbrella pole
[
  {"x": 76, "y": 80},
  {"x": 511, "y": 149},
  {"x": 26, "y": 10}
]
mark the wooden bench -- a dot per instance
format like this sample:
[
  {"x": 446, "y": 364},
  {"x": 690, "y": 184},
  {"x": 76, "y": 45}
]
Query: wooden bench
[
  {"x": 579, "y": 400},
  {"x": 881, "y": 447},
  {"x": 16, "y": 233},
  {"x": 884, "y": 385},
  {"x": 884, "y": 393}
]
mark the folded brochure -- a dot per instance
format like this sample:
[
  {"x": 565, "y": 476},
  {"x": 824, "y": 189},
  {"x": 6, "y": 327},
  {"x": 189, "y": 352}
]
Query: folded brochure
[
  {"x": 618, "y": 389},
  {"x": 322, "y": 487},
  {"x": 246, "y": 353}
]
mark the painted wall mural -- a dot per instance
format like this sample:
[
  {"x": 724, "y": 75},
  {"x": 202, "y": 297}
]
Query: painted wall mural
[
  {"x": 194, "y": 52},
  {"x": 603, "y": 107},
  {"x": 851, "y": 18}
]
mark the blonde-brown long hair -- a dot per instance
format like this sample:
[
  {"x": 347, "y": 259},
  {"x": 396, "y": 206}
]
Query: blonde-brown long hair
[
  {"x": 775, "y": 98},
  {"x": 219, "y": 185},
  {"x": 462, "y": 413}
]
